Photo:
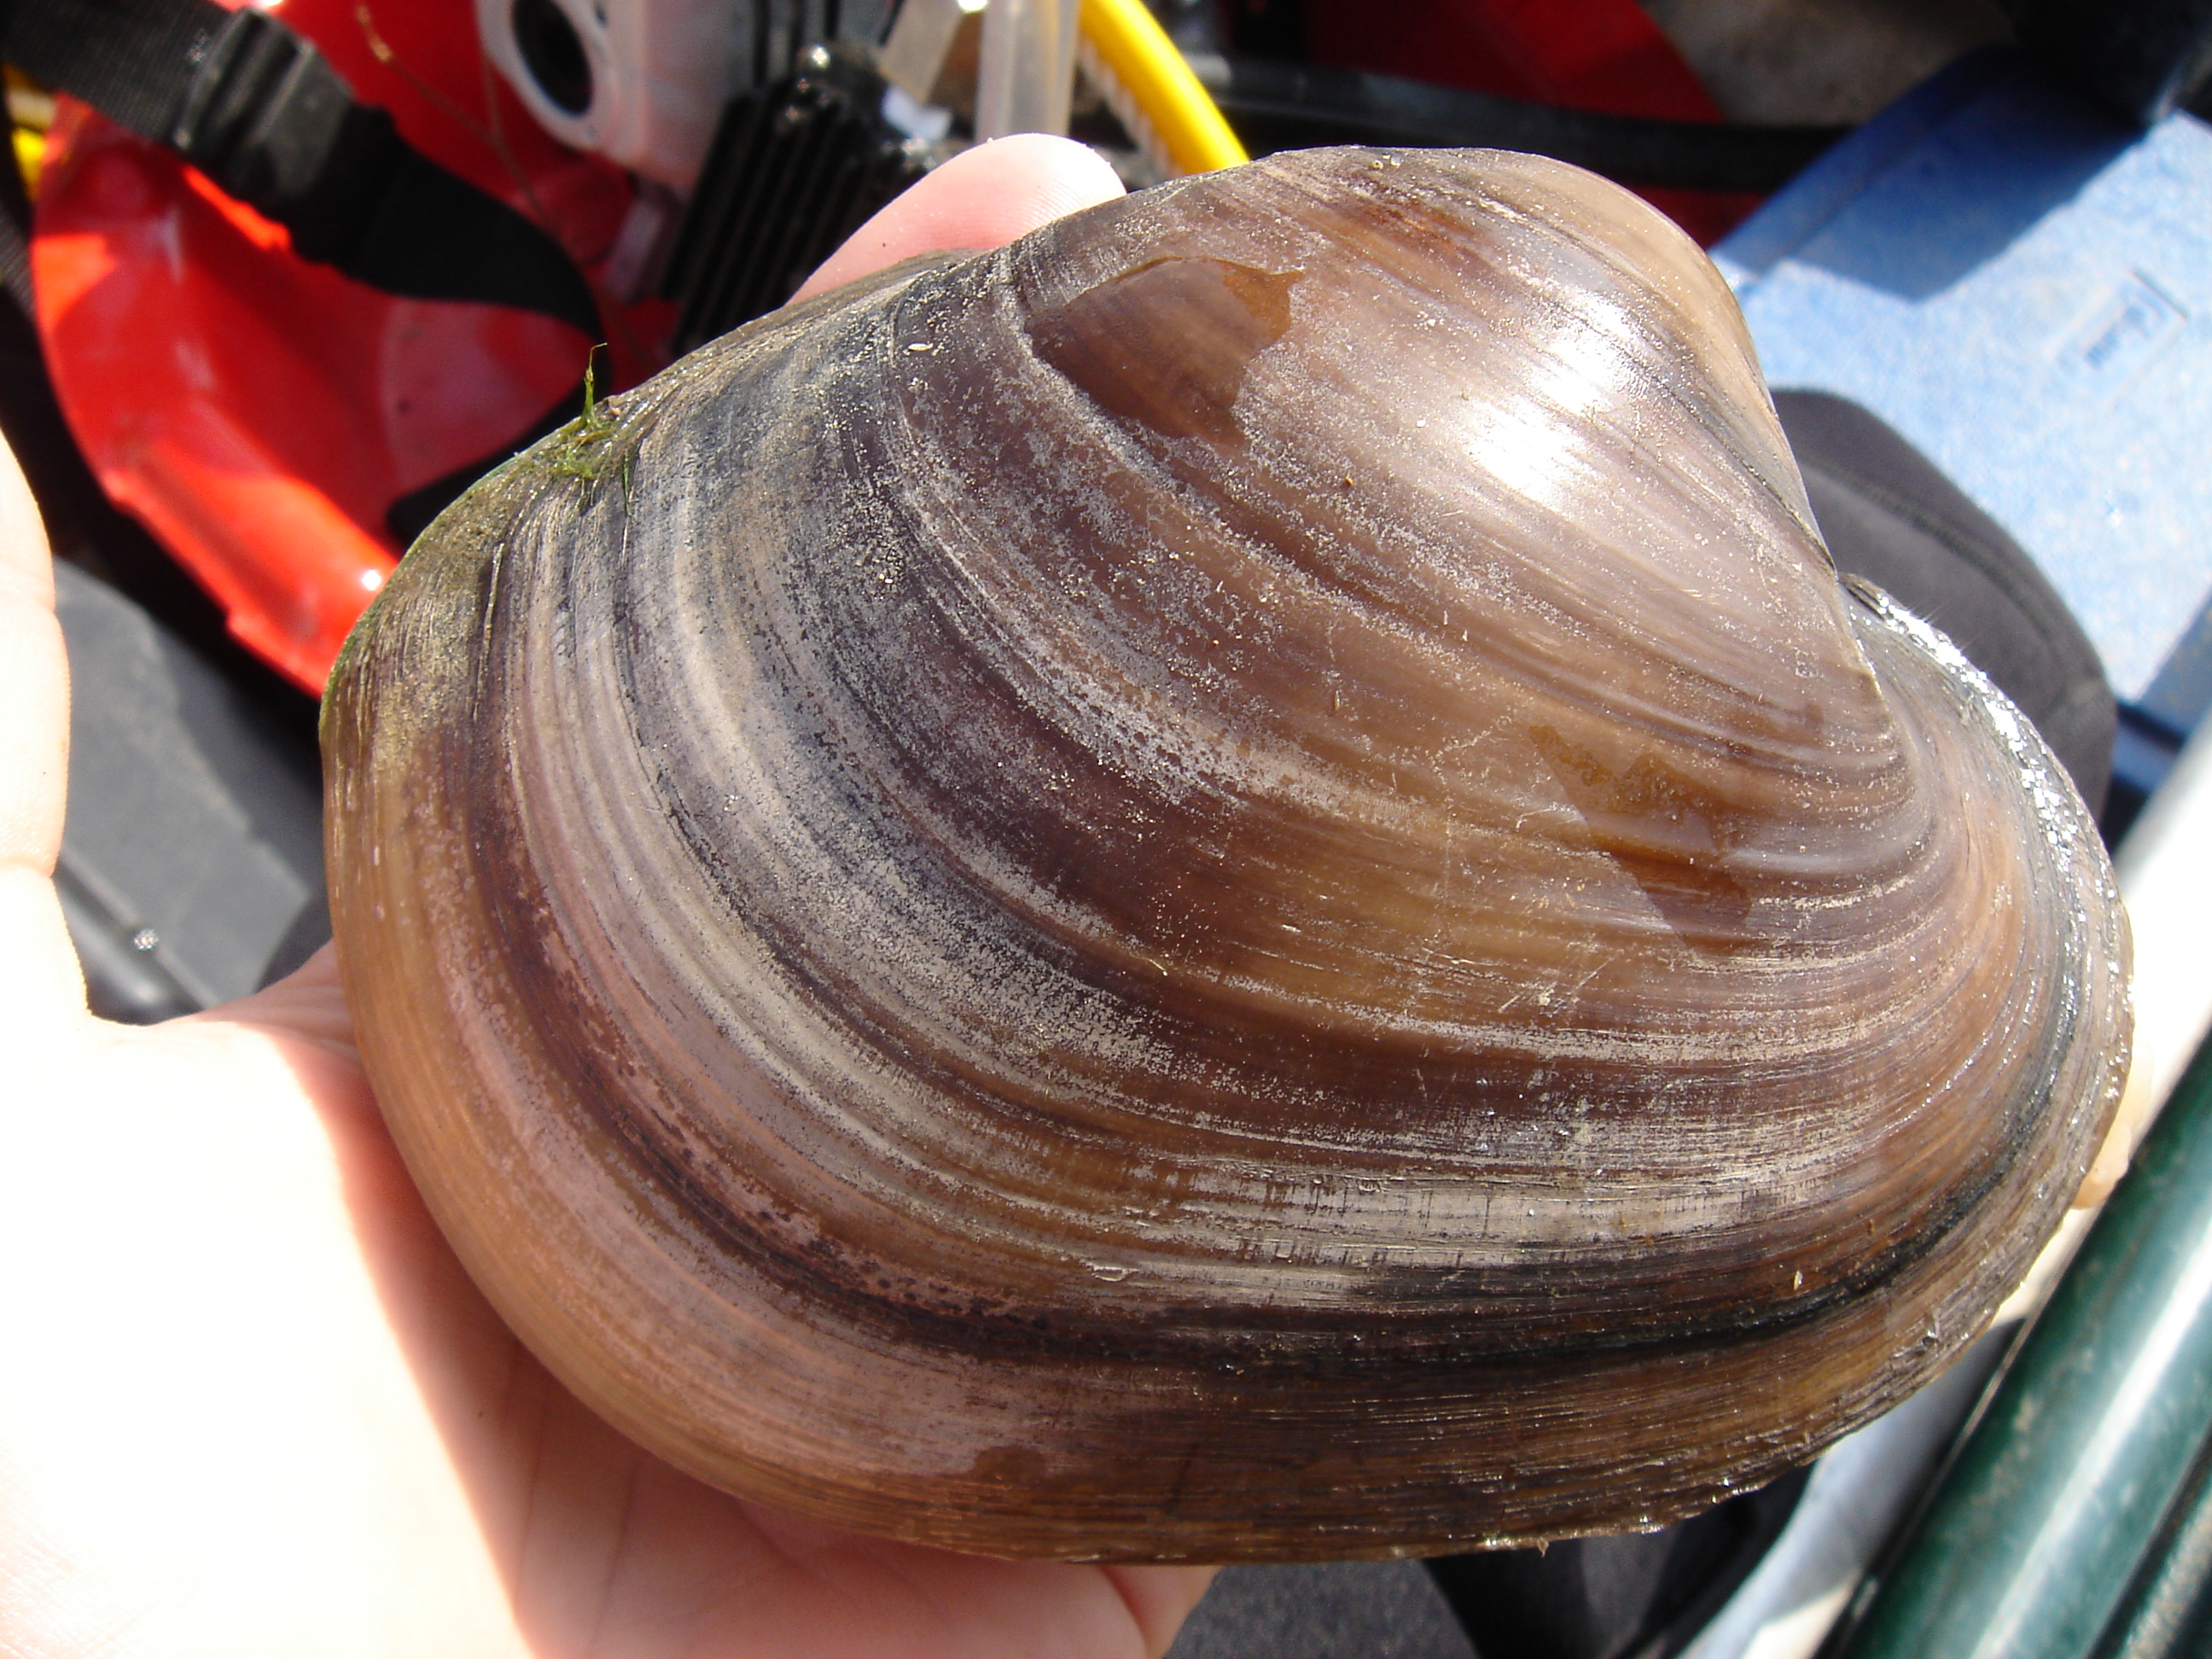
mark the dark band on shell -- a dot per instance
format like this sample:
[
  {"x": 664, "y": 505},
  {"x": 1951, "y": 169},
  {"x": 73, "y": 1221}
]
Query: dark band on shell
[{"x": 1230, "y": 884}]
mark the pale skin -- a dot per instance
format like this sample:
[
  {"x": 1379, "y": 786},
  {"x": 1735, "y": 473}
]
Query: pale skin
[{"x": 249, "y": 1403}]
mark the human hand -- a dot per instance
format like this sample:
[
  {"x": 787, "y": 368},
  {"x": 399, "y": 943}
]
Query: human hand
[{"x": 250, "y": 1406}]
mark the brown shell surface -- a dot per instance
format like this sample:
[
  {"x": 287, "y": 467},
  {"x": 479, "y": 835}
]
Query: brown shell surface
[{"x": 1233, "y": 884}]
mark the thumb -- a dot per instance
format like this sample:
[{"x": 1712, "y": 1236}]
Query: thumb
[
  {"x": 981, "y": 198},
  {"x": 41, "y": 990}
]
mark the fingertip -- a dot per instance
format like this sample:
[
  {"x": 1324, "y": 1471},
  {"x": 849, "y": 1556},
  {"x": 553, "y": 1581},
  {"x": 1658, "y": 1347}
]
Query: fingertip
[
  {"x": 1159, "y": 1599},
  {"x": 27, "y": 571},
  {"x": 982, "y": 198},
  {"x": 1028, "y": 180},
  {"x": 34, "y": 697}
]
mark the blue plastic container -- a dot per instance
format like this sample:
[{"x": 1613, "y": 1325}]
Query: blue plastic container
[{"x": 2022, "y": 285}]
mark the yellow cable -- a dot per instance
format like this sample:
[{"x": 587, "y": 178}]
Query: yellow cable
[
  {"x": 30, "y": 112},
  {"x": 30, "y": 154},
  {"x": 1151, "y": 91}
]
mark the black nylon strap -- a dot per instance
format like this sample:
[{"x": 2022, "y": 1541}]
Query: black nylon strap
[{"x": 257, "y": 109}]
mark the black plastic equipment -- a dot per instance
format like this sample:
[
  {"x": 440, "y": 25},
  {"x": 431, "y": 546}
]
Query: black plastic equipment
[
  {"x": 1282, "y": 106},
  {"x": 192, "y": 868},
  {"x": 794, "y": 168},
  {"x": 2144, "y": 57}
]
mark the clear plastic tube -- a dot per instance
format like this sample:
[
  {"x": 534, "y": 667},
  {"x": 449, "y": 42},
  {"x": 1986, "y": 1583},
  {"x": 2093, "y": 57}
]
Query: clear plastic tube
[{"x": 1027, "y": 77}]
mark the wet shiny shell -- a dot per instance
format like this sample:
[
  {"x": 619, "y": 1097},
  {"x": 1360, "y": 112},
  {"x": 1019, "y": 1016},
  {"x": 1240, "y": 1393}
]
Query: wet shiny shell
[{"x": 1233, "y": 884}]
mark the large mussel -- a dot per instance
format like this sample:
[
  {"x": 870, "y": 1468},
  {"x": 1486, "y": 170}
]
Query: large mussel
[{"x": 1233, "y": 884}]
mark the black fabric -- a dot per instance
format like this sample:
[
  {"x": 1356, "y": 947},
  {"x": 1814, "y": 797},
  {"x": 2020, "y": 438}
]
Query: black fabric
[
  {"x": 125, "y": 58},
  {"x": 1331, "y": 1610},
  {"x": 257, "y": 109},
  {"x": 15, "y": 245},
  {"x": 1643, "y": 1595},
  {"x": 1890, "y": 517}
]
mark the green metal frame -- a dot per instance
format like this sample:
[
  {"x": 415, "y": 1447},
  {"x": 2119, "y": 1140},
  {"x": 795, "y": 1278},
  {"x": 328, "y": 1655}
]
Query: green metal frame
[{"x": 2076, "y": 1520}]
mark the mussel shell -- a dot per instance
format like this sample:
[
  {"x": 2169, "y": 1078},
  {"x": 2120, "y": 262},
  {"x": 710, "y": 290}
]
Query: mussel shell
[{"x": 1230, "y": 884}]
